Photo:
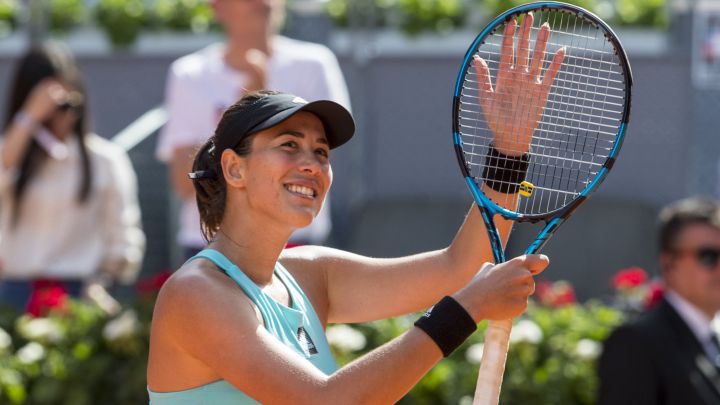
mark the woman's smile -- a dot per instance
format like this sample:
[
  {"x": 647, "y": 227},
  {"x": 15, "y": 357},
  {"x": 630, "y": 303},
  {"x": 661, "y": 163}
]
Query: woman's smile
[{"x": 301, "y": 191}]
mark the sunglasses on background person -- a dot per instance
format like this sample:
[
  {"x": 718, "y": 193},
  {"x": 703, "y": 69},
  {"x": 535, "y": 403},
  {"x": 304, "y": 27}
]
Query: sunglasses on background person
[
  {"x": 73, "y": 102},
  {"x": 707, "y": 256}
]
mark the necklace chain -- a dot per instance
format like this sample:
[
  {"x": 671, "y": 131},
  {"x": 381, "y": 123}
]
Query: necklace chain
[{"x": 229, "y": 238}]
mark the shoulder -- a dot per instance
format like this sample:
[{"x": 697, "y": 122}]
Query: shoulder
[
  {"x": 307, "y": 264},
  {"x": 302, "y": 51},
  {"x": 314, "y": 264},
  {"x": 197, "y": 294},
  {"x": 196, "y": 64},
  {"x": 312, "y": 259}
]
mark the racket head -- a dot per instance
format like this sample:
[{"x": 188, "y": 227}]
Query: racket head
[{"x": 583, "y": 123}]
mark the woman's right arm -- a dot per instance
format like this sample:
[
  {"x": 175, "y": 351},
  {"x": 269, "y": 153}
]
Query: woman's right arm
[
  {"x": 218, "y": 326},
  {"x": 40, "y": 104}
]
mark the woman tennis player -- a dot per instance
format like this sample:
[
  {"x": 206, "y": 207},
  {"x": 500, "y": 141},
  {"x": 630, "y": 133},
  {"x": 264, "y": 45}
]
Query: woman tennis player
[{"x": 243, "y": 321}]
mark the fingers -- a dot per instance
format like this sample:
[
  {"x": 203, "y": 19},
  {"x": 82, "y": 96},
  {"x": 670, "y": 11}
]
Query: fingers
[
  {"x": 535, "y": 264},
  {"x": 483, "y": 74},
  {"x": 531, "y": 286},
  {"x": 57, "y": 92},
  {"x": 256, "y": 58},
  {"x": 539, "y": 53},
  {"x": 507, "y": 55},
  {"x": 485, "y": 88},
  {"x": 523, "y": 48},
  {"x": 258, "y": 63},
  {"x": 554, "y": 68}
]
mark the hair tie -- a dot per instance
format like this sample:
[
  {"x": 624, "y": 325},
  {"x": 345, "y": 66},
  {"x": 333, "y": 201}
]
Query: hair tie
[{"x": 210, "y": 174}]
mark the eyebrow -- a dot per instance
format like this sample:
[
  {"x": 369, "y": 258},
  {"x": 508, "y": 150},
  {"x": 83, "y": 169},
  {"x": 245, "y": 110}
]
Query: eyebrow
[{"x": 299, "y": 134}]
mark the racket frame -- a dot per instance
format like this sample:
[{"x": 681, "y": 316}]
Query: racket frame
[
  {"x": 555, "y": 218},
  {"x": 498, "y": 332}
]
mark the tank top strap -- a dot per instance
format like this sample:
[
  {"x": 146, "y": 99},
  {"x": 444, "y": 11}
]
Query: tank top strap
[
  {"x": 296, "y": 293},
  {"x": 250, "y": 288},
  {"x": 283, "y": 326}
]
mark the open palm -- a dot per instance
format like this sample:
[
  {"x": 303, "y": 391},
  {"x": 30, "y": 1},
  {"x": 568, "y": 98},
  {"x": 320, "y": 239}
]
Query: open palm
[{"x": 514, "y": 107}]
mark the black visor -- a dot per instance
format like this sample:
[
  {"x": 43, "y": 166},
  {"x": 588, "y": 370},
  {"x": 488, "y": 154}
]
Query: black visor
[{"x": 273, "y": 109}]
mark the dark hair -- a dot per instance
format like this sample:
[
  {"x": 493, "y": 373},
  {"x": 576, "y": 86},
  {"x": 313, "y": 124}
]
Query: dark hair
[
  {"x": 681, "y": 214},
  {"x": 41, "y": 62},
  {"x": 211, "y": 190}
]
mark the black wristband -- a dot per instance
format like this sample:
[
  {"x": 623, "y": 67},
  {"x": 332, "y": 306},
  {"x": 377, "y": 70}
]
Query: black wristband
[
  {"x": 504, "y": 173},
  {"x": 448, "y": 324}
]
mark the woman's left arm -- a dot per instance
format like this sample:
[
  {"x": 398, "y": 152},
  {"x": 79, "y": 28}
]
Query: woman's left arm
[{"x": 360, "y": 289}]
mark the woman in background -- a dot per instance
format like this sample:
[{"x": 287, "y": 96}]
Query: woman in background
[{"x": 69, "y": 215}]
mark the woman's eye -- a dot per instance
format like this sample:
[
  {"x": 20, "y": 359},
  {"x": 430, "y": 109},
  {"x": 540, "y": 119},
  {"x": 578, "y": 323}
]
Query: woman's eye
[
  {"x": 322, "y": 152},
  {"x": 291, "y": 144}
]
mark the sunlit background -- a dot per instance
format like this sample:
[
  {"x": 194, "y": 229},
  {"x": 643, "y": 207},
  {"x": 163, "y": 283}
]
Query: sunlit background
[{"x": 397, "y": 187}]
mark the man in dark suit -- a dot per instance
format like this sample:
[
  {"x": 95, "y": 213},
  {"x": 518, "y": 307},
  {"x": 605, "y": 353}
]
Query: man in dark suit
[{"x": 670, "y": 354}]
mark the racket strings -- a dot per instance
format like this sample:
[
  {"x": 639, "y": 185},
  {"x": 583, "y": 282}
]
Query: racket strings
[{"x": 579, "y": 124}]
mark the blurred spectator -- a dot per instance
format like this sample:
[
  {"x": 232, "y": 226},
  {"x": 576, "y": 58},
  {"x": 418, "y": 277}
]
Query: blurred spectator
[
  {"x": 670, "y": 355},
  {"x": 69, "y": 217},
  {"x": 711, "y": 42},
  {"x": 200, "y": 86}
]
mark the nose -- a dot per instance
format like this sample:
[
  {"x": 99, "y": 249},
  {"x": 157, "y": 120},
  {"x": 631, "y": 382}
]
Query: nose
[{"x": 310, "y": 162}]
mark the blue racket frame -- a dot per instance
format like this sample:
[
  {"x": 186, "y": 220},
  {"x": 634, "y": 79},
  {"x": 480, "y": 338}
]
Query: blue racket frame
[{"x": 555, "y": 218}]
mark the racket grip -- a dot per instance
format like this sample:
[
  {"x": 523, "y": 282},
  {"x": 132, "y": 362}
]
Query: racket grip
[{"x": 492, "y": 366}]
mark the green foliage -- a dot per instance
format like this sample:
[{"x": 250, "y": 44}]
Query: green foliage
[
  {"x": 551, "y": 360},
  {"x": 417, "y": 16},
  {"x": 410, "y": 16},
  {"x": 497, "y": 7},
  {"x": 64, "y": 15},
  {"x": 121, "y": 20},
  {"x": 8, "y": 16},
  {"x": 182, "y": 15},
  {"x": 78, "y": 356},
  {"x": 646, "y": 13},
  {"x": 434, "y": 15},
  {"x": 338, "y": 12},
  {"x": 641, "y": 12}
]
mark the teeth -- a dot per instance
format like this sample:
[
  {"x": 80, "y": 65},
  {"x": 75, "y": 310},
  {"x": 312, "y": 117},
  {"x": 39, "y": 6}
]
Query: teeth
[{"x": 301, "y": 190}]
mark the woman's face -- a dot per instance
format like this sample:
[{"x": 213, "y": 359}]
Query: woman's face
[
  {"x": 240, "y": 17},
  {"x": 288, "y": 173},
  {"x": 62, "y": 121}
]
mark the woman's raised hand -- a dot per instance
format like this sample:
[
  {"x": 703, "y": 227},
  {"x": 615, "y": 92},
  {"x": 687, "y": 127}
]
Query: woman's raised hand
[
  {"x": 513, "y": 108},
  {"x": 45, "y": 98}
]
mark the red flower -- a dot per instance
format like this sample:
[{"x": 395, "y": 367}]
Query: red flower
[
  {"x": 46, "y": 295},
  {"x": 629, "y": 278},
  {"x": 557, "y": 294},
  {"x": 152, "y": 284},
  {"x": 564, "y": 294},
  {"x": 654, "y": 295}
]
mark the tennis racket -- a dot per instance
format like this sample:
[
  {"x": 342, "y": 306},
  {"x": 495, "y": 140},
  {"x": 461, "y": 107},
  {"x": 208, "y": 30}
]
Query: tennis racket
[{"x": 540, "y": 110}]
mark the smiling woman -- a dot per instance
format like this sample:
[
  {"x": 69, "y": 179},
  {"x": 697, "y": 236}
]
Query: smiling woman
[
  {"x": 264, "y": 173},
  {"x": 283, "y": 124}
]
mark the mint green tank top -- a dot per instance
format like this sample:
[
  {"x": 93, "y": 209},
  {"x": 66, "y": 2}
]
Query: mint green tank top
[{"x": 297, "y": 327}]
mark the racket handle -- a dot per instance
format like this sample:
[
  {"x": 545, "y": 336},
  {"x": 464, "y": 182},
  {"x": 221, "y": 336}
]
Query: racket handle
[{"x": 492, "y": 366}]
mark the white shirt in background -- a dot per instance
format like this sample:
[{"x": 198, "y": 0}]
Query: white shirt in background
[
  {"x": 56, "y": 236},
  {"x": 200, "y": 86}
]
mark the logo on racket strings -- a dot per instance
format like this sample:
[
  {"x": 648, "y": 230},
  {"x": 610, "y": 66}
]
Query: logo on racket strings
[{"x": 526, "y": 189}]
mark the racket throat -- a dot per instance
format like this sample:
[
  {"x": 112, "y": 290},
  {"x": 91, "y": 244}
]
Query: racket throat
[
  {"x": 493, "y": 235},
  {"x": 544, "y": 236}
]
